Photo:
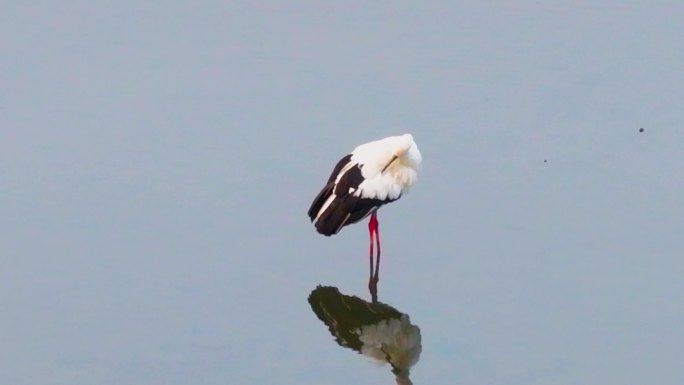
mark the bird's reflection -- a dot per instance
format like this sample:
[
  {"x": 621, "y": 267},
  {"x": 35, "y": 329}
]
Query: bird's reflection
[{"x": 376, "y": 330}]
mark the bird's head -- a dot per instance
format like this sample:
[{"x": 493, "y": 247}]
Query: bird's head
[
  {"x": 407, "y": 151},
  {"x": 402, "y": 145}
]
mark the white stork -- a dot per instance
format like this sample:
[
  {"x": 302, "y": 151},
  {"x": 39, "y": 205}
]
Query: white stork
[{"x": 374, "y": 174}]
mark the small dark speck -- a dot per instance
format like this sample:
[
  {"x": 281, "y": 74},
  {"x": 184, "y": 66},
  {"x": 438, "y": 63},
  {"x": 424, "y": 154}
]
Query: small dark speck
[
  {"x": 544, "y": 160},
  {"x": 641, "y": 129}
]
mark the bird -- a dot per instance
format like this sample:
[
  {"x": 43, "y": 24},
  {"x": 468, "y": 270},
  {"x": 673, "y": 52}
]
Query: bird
[{"x": 372, "y": 175}]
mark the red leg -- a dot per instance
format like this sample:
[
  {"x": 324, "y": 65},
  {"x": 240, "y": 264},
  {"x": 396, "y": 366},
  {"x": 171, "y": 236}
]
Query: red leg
[
  {"x": 377, "y": 259},
  {"x": 373, "y": 276},
  {"x": 370, "y": 258}
]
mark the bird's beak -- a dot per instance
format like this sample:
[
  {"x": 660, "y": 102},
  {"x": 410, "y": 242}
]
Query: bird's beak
[{"x": 394, "y": 157}]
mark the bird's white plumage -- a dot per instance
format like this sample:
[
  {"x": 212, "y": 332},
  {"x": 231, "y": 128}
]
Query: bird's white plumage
[{"x": 386, "y": 177}]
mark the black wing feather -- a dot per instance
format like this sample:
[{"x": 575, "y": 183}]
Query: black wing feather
[
  {"x": 338, "y": 167},
  {"x": 345, "y": 208},
  {"x": 328, "y": 189}
]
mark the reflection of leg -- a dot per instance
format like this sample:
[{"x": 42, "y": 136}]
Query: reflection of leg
[
  {"x": 373, "y": 276},
  {"x": 373, "y": 289}
]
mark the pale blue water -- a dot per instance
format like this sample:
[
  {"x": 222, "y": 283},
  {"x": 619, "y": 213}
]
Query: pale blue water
[{"x": 157, "y": 162}]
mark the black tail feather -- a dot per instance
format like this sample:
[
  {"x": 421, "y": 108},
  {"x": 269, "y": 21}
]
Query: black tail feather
[
  {"x": 320, "y": 200},
  {"x": 333, "y": 218},
  {"x": 345, "y": 210}
]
